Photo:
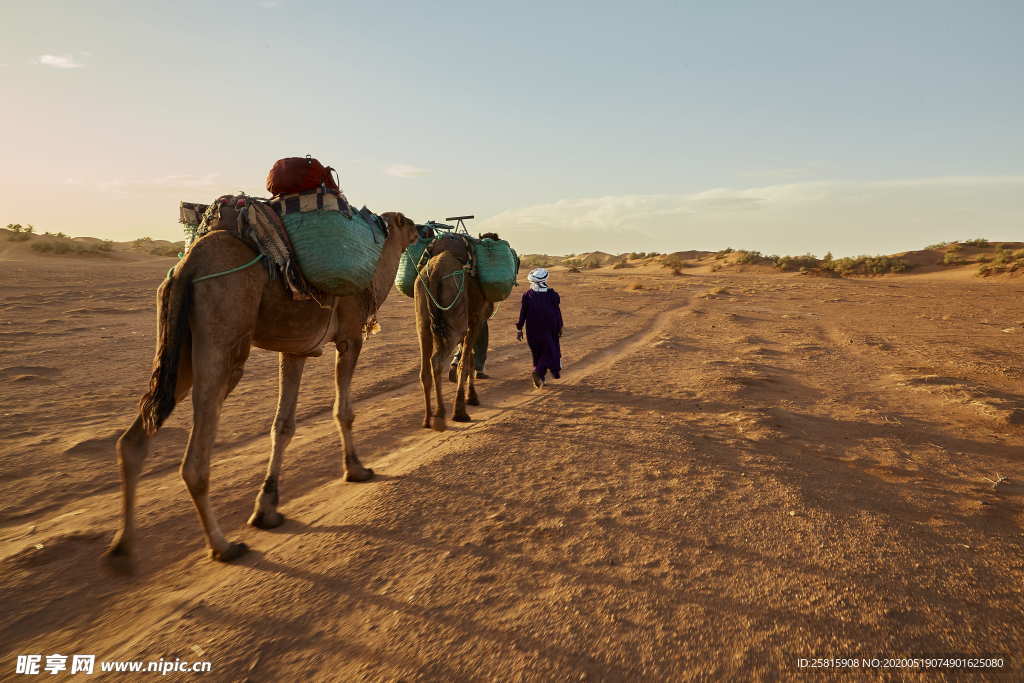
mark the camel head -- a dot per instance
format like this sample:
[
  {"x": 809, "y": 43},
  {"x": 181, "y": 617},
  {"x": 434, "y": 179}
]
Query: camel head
[{"x": 400, "y": 228}]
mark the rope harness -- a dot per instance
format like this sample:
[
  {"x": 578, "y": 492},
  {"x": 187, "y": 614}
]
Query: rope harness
[
  {"x": 461, "y": 272},
  {"x": 225, "y": 272}
]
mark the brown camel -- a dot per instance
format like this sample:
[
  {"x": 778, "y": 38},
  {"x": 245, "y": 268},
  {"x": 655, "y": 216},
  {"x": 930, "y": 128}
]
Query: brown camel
[
  {"x": 205, "y": 331},
  {"x": 450, "y": 309}
]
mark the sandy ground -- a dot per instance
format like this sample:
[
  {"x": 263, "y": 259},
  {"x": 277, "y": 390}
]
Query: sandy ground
[{"x": 737, "y": 470}]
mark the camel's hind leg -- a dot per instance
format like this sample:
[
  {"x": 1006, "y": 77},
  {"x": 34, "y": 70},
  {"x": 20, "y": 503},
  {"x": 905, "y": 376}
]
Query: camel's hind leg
[
  {"x": 459, "y": 413},
  {"x": 132, "y": 449},
  {"x": 426, "y": 375},
  {"x": 472, "y": 399},
  {"x": 438, "y": 367},
  {"x": 216, "y": 372},
  {"x": 265, "y": 514},
  {"x": 344, "y": 416}
]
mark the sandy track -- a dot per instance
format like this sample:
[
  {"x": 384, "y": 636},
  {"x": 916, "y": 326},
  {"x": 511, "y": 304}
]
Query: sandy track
[{"x": 740, "y": 469}]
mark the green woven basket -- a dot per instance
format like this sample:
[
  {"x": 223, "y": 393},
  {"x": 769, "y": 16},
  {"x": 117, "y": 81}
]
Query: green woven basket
[
  {"x": 337, "y": 254},
  {"x": 496, "y": 265},
  {"x": 405, "y": 278}
]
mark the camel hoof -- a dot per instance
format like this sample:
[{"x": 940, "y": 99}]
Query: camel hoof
[
  {"x": 461, "y": 418},
  {"x": 426, "y": 423},
  {"x": 232, "y": 552},
  {"x": 365, "y": 474},
  {"x": 266, "y": 520},
  {"x": 472, "y": 401},
  {"x": 439, "y": 424},
  {"x": 118, "y": 559}
]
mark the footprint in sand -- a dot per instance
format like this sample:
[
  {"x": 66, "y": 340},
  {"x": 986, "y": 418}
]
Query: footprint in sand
[{"x": 28, "y": 373}]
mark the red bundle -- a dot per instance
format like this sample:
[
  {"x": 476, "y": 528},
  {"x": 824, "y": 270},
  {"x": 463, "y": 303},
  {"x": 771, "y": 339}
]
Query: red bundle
[{"x": 299, "y": 174}]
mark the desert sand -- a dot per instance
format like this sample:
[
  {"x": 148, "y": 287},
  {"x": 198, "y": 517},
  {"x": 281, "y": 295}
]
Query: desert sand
[{"x": 739, "y": 468}]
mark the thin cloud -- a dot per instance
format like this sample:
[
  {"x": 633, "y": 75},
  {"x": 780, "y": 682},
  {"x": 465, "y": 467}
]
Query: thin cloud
[
  {"x": 844, "y": 217},
  {"x": 60, "y": 61},
  {"x": 170, "y": 182},
  {"x": 269, "y": 4},
  {"x": 405, "y": 171}
]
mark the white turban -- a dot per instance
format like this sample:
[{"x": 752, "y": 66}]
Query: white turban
[{"x": 538, "y": 278}]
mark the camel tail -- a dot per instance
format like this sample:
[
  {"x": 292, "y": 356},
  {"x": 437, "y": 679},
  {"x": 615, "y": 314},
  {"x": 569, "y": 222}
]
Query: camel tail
[
  {"x": 434, "y": 286},
  {"x": 174, "y": 299}
]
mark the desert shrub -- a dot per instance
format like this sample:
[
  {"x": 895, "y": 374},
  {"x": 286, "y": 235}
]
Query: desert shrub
[
  {"x": 788, "y": 263},
  {"x": 675, "y": 262},
  {"x": 985, "y": 270},
  {"x": 1003, "y": 256},
  {"x": 66, "y": 245},
  {"x": 955, "y": 246},
  {"x": 937, "y": 245},
  {"x": 744, "y": 257},
  {"x": 976, "y": 242},
  {"x": 867, "y": 265},
  {"x": 19, "y": 233},
  {"x": 573, "y": 269},
  {"x": 722, "y": 254},
  {"x": 537, "y": 261},
  {"x": 950, "y": 258},
  {"x": 165, "y": 251},
  {"x": 622, "y": 264}
]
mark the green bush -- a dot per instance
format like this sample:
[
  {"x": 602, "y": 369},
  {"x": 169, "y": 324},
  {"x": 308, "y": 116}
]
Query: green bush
[
  {"x": 65, "y": 245},
  {"x": 867, "y": 265},
  {"x": 19, "y": 233},
  {"x": 976, "y": 242},
  {"x": 789, "y": 263}
]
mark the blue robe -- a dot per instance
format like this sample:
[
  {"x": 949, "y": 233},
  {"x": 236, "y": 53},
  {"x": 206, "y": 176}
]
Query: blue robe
[{"x": 541, "y": 313}]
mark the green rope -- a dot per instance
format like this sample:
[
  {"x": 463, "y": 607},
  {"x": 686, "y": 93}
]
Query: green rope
[
  {"x": 228, "y": 272},
  {"x": 458, "y": 294}
]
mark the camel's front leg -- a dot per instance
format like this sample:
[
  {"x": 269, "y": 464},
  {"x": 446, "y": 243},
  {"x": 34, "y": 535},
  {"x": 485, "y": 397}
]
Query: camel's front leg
[
  {"x": 344, "y": 368},
  {"x": 265, "y": 514}
]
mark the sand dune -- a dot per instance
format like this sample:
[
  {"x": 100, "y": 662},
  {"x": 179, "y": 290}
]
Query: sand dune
[{"x": 740, "y": 468}]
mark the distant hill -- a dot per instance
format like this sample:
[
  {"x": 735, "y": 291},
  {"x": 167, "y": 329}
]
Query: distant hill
[{"x": 984, "y": 257}]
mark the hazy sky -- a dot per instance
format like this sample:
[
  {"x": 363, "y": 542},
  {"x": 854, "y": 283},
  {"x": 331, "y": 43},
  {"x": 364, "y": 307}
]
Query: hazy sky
[{"x": 784, "y": 127}]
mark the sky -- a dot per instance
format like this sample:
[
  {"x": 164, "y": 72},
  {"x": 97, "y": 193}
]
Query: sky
[{"x": 786, "y": 127}]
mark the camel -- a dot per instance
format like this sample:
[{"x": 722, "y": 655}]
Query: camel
[
  {"x": 450, "y": 308},
  {"x": 204, "y": 334}
]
